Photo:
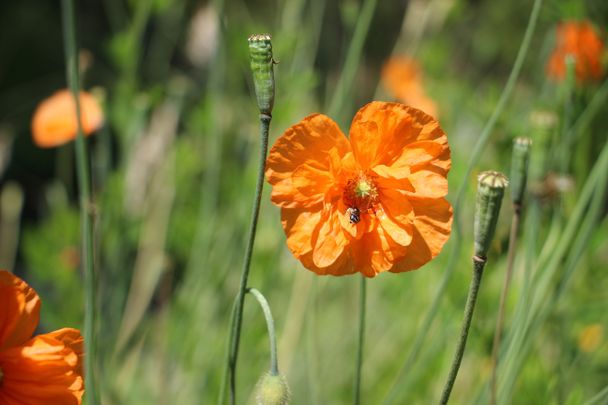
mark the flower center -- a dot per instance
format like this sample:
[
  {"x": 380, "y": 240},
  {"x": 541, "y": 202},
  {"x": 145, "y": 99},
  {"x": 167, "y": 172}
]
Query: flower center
[{"x": 360, "y": 192}]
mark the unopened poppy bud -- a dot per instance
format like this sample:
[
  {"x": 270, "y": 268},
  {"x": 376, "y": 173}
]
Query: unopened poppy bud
[
  {"x": 260, "y": 54},
  {"x": 490, "y": 190},
  {"x": 519, "y": 169},
  {"x": 272, "y": 390}
]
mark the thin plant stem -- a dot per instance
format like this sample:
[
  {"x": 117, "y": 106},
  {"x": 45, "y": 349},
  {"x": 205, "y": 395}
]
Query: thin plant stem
[
  {"x": 272, "y": 336},
  {"x": 478, "y": 266},
  {"x": 236, "y": 326},
  {"x": 353, "y": 56},
  {"x": 84, "y": 187},
  {"x": 222, "y": 396},
  {"x": 475, "y": 156},
  {"x": 503, "y": 297},
  {"x": 561, "y": 250},
  {"x": 360, "y": 341},
  {"x": 602, "y": 395}
]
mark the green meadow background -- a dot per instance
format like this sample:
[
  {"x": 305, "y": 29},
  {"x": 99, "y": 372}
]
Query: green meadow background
[{"x": 174, "y": 171}]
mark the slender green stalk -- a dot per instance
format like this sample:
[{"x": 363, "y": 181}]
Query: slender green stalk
[
  {"x": 475, "y": 156},
  {"x": 351, "y": 63},
  {"x": 602, "y": 395},
  {"x": 272, "y": 336},
  {"x": 222, "y": 396},
  {"x": 503, "y": 297},
  {"x": 84, "y": 187},
  {"x": 478, "y": 265},
  {"x": 236, "y": 327},
  {"x": 360, "y": 342},
  {"x": 584, "y": 120},
  {"x": 569, "y": 246}
]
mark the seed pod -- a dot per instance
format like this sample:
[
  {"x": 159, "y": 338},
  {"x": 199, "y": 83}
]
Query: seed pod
[
  {"x": 272, "y": 390},
  {"x": 490, "y": 190},
  {"x": 519, "y": 169},
  {"x": 260, "y": 54}
]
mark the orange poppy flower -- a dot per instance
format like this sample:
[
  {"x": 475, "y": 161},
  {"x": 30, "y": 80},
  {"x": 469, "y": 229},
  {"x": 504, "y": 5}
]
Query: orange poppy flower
[
  {"x": 368, "y": 204},
  {"x": 403, "y": 79},
  {"x": 581, "y": 41},
  {"x": 54, "y": 121},
  {"x": 45, "y": 369}
]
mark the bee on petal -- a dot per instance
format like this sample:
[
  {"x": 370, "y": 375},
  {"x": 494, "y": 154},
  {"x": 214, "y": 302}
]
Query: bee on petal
[{"x": 354, "y": 215}]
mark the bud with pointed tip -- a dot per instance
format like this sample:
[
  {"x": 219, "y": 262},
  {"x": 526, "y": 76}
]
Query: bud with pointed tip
[
  {"x": 260, "y": 55},
  {"x": 490, "y": 190},
  {"x": 272, "y": 390},
  {"x": 519, "y": 169}
]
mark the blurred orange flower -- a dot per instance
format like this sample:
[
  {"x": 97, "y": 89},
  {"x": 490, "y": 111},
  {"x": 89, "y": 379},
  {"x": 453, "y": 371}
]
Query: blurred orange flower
[
  {"x": 54, "y": 121},
  {"x": 45, "y": 369},
  {"x": 402, "y": 77},
  {"x": 370, "y": 204},
  {"x": 581, "y": 41}
]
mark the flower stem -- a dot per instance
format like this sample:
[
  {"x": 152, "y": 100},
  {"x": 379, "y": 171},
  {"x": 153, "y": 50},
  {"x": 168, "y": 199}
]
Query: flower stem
[
  {"x": 361, "y": 341},
  {"x": 222, "y": 395},
  {"x": 351, "y": 64},
  {"x": 478, "y": 265},
  {"x": 236, "y": 326},
  {"x": 274, "y": 365},
  {"x": 482, "y": 141},
  {"x": 503, "y": 297},
  {"x": 84, "y": 187}
]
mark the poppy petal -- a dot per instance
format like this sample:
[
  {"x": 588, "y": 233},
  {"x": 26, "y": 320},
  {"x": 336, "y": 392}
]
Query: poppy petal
[
  {"x": 54, "y": 122},
  {"x": 299, "y": 224},
  {"x": 300, "y": 165},
  {"x": 20, "y": 310},
  {"x": 428, "y": 183},
  {"x": 330, "y": 240},
  {"x": 396, "y": 126},
  {"x": 376, "y": 252},
  {"x": 73, "y": 339},
  {"x": 432, "y": 227},
  {"x": 43, "y": 371},
  {"x": 396, "y": 216},
  {"x": 419, "y": 153}
]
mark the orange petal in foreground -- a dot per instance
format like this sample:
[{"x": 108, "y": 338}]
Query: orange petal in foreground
[
  {"x": 580, "y": 41},
  {"x": 45, "y": 369},
  {"x": 370, "y": 203},
  {"x": 54, "y": 121}
]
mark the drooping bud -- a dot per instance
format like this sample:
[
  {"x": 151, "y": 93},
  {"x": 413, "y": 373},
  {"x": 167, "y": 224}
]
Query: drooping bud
[
  {"x": 490, "y": 190},
  {"x": 272, "y": 390},
  {"x": 260, "y": 55},
  {"x": 519, "y": 169}
]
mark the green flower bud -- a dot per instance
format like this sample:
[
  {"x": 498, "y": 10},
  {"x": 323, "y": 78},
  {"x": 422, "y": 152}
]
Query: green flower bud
[
  {"x": 543, "y": 125},
  {"x": 272, "y": 390},
  {"x": 490, "y": 190},
  {"x": 260, "y": 54},
  {"x": 519, "y": 169}
]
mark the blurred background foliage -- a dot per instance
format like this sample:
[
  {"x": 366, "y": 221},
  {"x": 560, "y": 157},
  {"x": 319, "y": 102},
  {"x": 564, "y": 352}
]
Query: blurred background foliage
[{"x": 174, "y": 172}]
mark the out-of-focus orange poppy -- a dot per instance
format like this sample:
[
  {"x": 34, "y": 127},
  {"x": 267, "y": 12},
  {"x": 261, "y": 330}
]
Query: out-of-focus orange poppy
[
  {"x": 579, "y": 40},
  {"x": 54, "y": 121},
  {"x": 369, "y": 204},
  {"x": 41, "y": 370},
  {"x": 402, "y": 77}
]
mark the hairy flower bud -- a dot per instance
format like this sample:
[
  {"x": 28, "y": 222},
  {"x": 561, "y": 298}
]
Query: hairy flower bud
[
  {"x": 519, "y": 169},
  {"x": 490, "y": 190},
  {"x": 272, "y": 390},
  {"x": 260, "y": 54}
]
